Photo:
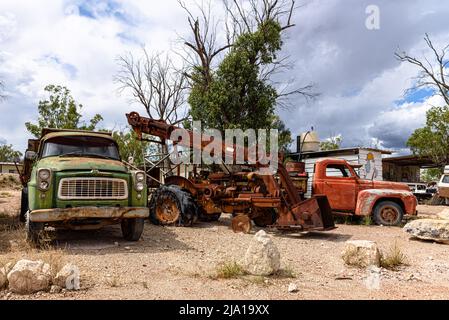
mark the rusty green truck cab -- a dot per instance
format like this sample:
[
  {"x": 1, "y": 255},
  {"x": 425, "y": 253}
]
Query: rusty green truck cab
[{"x": 75, "y": 179}]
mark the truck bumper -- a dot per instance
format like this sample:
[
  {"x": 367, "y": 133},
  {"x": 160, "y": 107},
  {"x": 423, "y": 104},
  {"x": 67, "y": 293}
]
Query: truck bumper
[{"x": 64, "y": 214}]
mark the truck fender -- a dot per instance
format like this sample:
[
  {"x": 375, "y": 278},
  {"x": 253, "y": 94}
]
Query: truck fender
[
  {"x": 182, "y": 183},
  {"x": 368, "y": 198}
]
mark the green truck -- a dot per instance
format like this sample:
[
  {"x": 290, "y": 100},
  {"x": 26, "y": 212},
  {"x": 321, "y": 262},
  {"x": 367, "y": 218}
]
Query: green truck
[{"x": 75, "y": 179}]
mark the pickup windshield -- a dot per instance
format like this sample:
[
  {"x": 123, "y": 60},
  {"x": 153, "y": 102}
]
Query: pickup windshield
[{"x": 80, "y": 146}]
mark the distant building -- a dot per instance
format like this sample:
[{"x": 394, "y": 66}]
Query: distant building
[{"x": 10, "y": 167}]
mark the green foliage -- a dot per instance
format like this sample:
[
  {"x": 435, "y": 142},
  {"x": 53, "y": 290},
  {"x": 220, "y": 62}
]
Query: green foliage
[
  {"x": 332, "y": 143},
  {"x": 129, "y": 146},
  {"x": 235, "y": 96},
  {"x": 60, "y": 111},
  {"x": 8, "y": 154},
  {"x": 431, "y": 174},
  {"x": 433, "y": 139}
]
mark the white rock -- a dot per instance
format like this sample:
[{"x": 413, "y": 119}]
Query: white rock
[
  {"x": 292, "y": 287},
  {"x": 262, "y": 257},
  {"x": 29, "y": 276},
  {"x": 429, "y": 229},
  {"x": 68, "y": 277},
  {"x": 361, "y": 253}
]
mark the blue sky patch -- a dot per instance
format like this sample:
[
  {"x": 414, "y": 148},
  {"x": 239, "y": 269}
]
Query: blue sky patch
[{"x": 416, "y": 96}]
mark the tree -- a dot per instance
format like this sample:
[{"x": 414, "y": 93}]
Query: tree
[
  {"x": 8, "y": 154},
  {"x": 129, "y": 146},
  {"x": 60, "y": 111},
  {"x": 239, "y": 93},
  {"x": 431, "y": 174},
  {"x": 433, "y": 74},
  {"x": 158, "y": 85},
  {"x": 332, "y": 143},
  {"x": 433, "y": 139}
]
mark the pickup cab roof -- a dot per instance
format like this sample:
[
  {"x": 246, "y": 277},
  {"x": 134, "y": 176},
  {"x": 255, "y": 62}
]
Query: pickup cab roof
[{"x": 65, "y": 132}]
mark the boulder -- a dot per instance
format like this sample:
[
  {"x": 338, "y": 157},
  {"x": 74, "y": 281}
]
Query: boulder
[
  {"x": 361, "y": 253},
  {"x": 429, "y": 229},
  {"x": 68, "y": 277},
  {"x": 262, "y": 257},
  {"x": 29, "y": 276}
]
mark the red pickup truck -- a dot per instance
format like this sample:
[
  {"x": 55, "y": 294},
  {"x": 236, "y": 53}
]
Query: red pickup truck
[{"x": 385, "y": 201}]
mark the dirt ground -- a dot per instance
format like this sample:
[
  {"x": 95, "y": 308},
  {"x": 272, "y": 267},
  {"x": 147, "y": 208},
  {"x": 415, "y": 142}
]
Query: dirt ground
[{"x": 181, "y": 263}]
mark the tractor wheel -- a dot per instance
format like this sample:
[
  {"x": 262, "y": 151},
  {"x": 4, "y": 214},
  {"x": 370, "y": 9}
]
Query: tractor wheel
[
  {"x": 170, "y": 205},
  {"x": 34, "y": 230},
  {"x": 23, "y": 205},
  {"x": 265, "y": 217},
  {"x": 132, "y": 228},
  {"x": 388, "y": 213}
]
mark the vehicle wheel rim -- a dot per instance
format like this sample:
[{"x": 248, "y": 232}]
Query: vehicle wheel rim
[
  {"x": 389, "y": 215},
  {"x": 167, "y": 210},
  {"x": 241, "y": 223}
]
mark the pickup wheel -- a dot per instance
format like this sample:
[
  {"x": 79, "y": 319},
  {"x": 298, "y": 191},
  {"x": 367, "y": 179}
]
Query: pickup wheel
[
  {"x": 170, "y": 205},
  {"x": 132, "y": 228},
  {"x": 388, "y": 213},
  {"x": 23, "y": 205},
  {"x": 34, "y": 230}
]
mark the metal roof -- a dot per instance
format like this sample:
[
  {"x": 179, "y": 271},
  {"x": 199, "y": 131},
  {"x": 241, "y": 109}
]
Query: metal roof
[{"x": 337, "y": 151}]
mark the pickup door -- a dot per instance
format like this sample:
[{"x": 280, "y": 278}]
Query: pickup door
[{"x": 339, "y": 183}]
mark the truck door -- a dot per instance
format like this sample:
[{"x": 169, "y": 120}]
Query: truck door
[{"x": 339, "y": 186}]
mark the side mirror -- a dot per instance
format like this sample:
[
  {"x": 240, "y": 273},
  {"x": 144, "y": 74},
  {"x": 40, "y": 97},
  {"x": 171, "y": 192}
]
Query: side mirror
[
  {"x": 30, "y": 155},
  {"x": 131, "y": 160}
]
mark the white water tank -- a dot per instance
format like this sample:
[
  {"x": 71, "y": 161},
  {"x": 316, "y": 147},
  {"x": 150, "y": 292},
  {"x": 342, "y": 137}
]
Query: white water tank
[{"x": 310, "y": 141}]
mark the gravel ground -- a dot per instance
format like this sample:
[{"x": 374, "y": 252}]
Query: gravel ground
[{"x": 181, "y": 263}]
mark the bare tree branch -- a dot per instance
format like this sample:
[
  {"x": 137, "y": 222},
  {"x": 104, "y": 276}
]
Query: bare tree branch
[{"x": 428, "y": 77}]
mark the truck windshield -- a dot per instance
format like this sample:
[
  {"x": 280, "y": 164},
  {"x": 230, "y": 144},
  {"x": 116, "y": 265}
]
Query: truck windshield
[{"x": 84, "y": 146}]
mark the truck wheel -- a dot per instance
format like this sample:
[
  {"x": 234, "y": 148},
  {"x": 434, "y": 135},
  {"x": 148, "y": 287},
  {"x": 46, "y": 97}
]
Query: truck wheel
[
  {"x": 388, "y": 213},
  {"x": 265, "y": 217},
  {"x": 23, "y": 205},
  {"x": 34, "y": 230},
  {"x": 170, "y": 205},
  {"x": 132, "y": 228}
]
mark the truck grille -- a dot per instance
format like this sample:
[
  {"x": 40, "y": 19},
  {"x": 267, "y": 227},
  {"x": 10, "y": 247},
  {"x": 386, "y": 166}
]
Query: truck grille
[{"x": 92, "y": 188}]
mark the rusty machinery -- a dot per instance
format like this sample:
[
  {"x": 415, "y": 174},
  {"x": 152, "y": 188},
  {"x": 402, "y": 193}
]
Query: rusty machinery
[{"x": 269, "y": 200}]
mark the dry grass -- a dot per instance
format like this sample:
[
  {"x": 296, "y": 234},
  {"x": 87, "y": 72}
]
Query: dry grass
[
  {"x": 394, "y": 258},
  {"x": 229, "y": 270},
  {"x": 113, "y": 282},
  {"x": 285, "y": 273}
]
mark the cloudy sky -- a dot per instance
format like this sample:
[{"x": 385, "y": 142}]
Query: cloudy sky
[{"x": 75, "y": 43}]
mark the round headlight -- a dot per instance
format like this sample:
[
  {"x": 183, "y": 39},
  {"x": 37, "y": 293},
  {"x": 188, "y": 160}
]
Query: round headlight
[
  {"x": 140, "y": 176},
  {"x": 139, "y": 186},
  {"x": 44, "y": 174},
  {"x": 43, "y": 185}
]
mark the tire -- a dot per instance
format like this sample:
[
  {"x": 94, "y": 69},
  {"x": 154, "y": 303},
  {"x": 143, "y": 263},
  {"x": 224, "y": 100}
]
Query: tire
[
  {"x": 132, "y": 228},
  {"x": 170, "y": 205},
  {"x": 205, "y": 217},
  {"x": 265, "y": 218},
  {"x": 34, "y": 230},
  {"x": 388, "y": 213},
  {"x": 23, "y": 205}
]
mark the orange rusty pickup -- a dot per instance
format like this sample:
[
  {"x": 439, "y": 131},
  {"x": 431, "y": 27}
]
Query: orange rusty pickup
[{"x": 385, "y": 201}]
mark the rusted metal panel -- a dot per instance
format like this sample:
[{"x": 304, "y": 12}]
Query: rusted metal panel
[
  {"x": 52, "y": 215},
  {"x": 368, "y": 198}
]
